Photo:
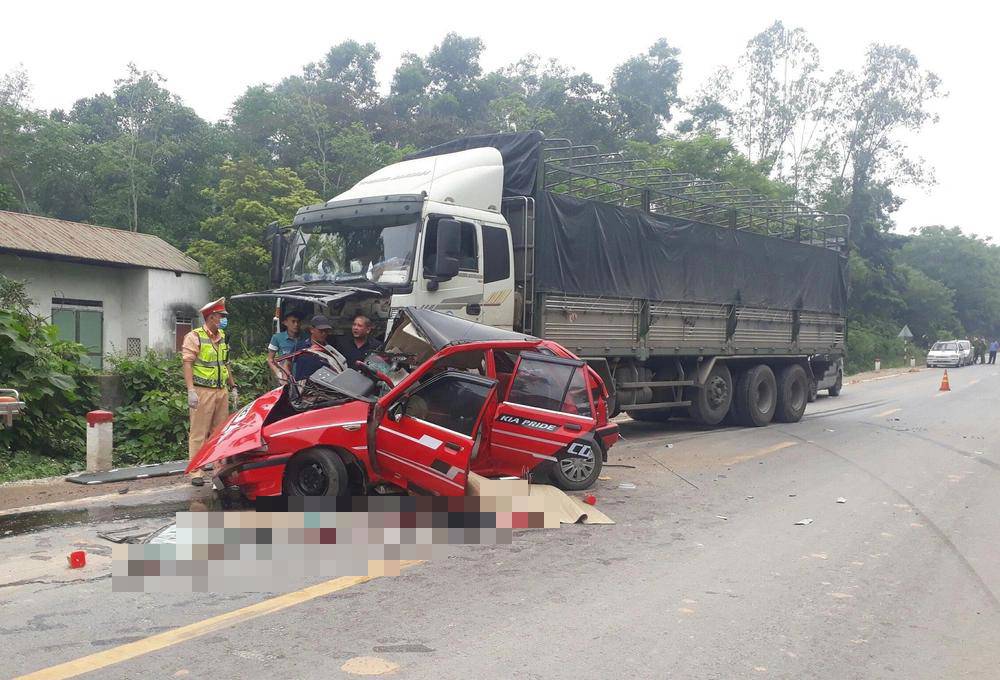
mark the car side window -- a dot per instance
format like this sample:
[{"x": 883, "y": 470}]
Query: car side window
[
  {"x": 451, "y": 400},
  {"x": 541, "y": 384}
]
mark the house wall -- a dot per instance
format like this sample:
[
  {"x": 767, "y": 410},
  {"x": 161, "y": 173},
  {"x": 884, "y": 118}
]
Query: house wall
[
  {"x": 137, "y": 303},
  {"x": 169, "y": 295}
]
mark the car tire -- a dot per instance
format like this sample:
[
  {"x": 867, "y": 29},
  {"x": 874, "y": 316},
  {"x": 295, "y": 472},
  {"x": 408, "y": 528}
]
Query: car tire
[
  {"x": 793, "y": 394},
  {"x": 315, "y": 472},
  {"x": 834, "y": 390},
  {"x": 710, "y": 403},
  {"x": 756, "y": 397},
  {"x": 573, "y": 472}
]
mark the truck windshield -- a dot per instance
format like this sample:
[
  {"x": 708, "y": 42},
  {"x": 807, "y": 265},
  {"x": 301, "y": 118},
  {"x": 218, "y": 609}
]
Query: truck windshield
[{"x": 378, "y": 254}]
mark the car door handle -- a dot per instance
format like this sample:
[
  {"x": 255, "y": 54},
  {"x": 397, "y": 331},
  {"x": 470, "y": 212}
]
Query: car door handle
[
  {"x": 452, "y": 446},
  {"x": 473, "y": 309},
  {"x": 572, "y": 427}
]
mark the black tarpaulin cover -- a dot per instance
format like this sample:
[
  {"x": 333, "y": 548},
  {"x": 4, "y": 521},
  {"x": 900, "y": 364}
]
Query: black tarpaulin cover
[
  {"x": 521, "y": 152},
  {"x": 590, "y": 248}
]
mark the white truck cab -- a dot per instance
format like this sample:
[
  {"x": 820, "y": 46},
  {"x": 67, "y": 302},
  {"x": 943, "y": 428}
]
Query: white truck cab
[{"x": 426, "y": 232}]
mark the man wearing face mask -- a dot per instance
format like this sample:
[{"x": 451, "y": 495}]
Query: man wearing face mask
[{"x": 206, "y": 374}]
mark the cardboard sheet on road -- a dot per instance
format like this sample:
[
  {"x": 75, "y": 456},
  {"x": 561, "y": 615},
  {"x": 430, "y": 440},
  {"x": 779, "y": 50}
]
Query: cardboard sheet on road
[
  {"x": 125, "y": 474},
  {"x": 560, "y": 508}
]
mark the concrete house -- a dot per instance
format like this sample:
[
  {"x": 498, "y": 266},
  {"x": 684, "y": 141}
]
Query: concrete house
[{"x": 114, "y": 291}]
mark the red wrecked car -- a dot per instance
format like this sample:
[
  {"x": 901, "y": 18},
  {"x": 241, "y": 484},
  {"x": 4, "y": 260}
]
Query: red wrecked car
[{"x": 444, "y": 397}]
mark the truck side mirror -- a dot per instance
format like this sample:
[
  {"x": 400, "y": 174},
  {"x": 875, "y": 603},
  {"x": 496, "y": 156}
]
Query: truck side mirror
[
  {"x": 449, "y": 248},
  {"x": 278, "y": 246}
]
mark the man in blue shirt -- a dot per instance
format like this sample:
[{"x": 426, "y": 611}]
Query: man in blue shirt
[
  {"x": 320, "y": 355},
  {"x": 994, "y": 346},
  {"x": 283, "y": 343}
]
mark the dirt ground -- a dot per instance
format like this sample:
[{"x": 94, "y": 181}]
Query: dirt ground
[{"x": 55, "y": 489}]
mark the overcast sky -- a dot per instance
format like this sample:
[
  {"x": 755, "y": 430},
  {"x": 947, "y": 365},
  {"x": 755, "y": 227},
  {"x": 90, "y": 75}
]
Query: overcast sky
[{"x": 210, "y": 51}]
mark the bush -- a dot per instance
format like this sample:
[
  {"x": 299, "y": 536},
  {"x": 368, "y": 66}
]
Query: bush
[
  {"x": 50, "y": 377},
  {"x": 866, "y": 342}
]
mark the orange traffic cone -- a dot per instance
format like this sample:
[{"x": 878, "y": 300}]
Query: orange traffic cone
[{"x": 945, "y": 387}]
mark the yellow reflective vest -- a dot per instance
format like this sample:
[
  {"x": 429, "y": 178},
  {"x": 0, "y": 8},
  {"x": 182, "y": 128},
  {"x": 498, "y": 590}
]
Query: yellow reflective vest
[{"x": 211, "y": 367}]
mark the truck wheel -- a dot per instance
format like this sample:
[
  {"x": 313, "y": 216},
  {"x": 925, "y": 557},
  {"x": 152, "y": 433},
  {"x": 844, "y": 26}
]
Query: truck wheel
[
  {"x": 655, "y": 415},
  {"x": 315, "y": 472},
  {"x": 578, "y": 470},
  {"x": 710, "y": 404},
  {"x": 793, "y": 394},
  {"x": 756, "y": 396},
  {"x": 834, "y": 391}
]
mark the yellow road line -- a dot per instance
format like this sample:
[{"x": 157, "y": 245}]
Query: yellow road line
[
  {"x": 758, "y": 454},
  {"x": 109, "y": 657},
  {"x": 888, "y": 413}
]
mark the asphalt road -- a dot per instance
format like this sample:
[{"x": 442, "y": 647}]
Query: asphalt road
[{"x": 705, "y": 574}]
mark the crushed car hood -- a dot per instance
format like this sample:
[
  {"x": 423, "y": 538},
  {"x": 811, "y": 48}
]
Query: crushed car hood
[
  {"x": 241, "y": 433},
  {"x": 323, "y": 293},
  {"x": 441, "y": 330}
]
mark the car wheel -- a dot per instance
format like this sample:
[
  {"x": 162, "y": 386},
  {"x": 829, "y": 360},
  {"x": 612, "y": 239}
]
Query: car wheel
[
  {"x": 711, "y": 402},
  {"x": 578, "y": 467},
  {"x": 315, "y": 472},
  {"x": 793, "y": 394},
  {"x": 756, "y": 397},
  {"x": 834, "y": 390}
]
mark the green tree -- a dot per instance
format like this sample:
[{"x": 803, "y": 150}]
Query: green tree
[
  {"x": 645, "y": 90},
  {"x": 965, "y": 264}
]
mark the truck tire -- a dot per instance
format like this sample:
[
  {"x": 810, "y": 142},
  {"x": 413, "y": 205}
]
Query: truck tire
[
  {"x": 793, "y": 394},
  {"x": 834, "y": 391},
  {"x": 710, "y": 403},
  {"x": 315, "y": 472},
  {"x": 755, "y": 397}
]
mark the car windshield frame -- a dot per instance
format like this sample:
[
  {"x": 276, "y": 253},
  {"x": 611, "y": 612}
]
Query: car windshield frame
[{"x": 338, "y": 240}]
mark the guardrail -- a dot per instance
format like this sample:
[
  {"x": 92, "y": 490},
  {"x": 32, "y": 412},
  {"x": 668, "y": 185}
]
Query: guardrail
[{"x": 10, "y": 406}]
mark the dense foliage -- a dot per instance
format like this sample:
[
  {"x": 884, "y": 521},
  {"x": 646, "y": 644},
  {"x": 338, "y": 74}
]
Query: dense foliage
[{"x": 53, "y": 384}]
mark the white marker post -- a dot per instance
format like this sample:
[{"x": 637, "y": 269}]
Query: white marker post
[{"x": 100, "y": 438}]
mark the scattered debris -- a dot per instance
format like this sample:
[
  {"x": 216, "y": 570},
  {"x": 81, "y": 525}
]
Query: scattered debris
[
  {"x": 829, "y": 430},
  {"x": 670, "y": 446},
  {"x": 804, "y": 522},
  {"x": 604, "y": 478},
  {"x": 978, "y": 453},
  {"x": 627, "y": 486},
  {"x": 749, "y": 498},
  {"x": 621, "y": 465},
  {"x": 123, "y": 490},
  {"x": 590, "y": 500},
  {"x": 722, "y": 517},
  {"x": 77, "y": 559},
  {"x": 841, "y": 500},
  {"x": 792, "y": 495}
]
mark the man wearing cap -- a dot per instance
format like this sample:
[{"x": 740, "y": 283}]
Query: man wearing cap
[
  {"x": 207, "y": 376},
  {"x": 320, "y": 354}
]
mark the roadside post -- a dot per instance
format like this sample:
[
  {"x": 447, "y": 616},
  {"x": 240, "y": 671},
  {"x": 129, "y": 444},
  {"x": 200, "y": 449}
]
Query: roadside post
[{"x": 99, "y": 440}]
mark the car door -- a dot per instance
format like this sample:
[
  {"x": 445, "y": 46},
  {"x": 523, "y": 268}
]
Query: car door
[
  {"x": 546, "y": 414},
  {"x": 427, "y": 436}
]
